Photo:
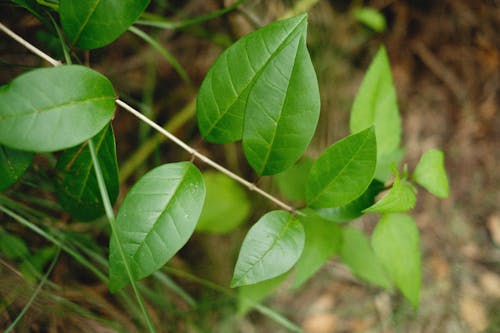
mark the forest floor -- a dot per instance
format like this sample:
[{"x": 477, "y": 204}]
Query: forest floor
[{"x": 445, "y": 58}]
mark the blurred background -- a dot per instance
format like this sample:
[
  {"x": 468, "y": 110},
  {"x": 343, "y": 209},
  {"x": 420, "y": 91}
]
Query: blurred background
[{"x": 445, "y": 58}]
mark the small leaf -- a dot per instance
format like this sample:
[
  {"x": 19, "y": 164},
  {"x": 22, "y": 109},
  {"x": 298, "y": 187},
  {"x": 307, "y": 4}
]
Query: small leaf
[
  {"x": 271, "y": 247},
  {"x": 355, "y": 208},
  {"x": 430, "y": 173},
  {"x": 395, "y": 241},
  {"x": 387, "y": 162},
  {"x": 292, "y": 182},
  {"x": 253, "y": 294},
  {"x": 155, "y": 220},
  {"x": 77, "y": 188},
  {"x": 222, "y": 99},
  {"x": 13, "y": 164},
  {"x": 376, "y": 104},
  {"x": 358, "y": 255},
  {"x": 94, "y": 23},
  {"x": 226, "y": 199},
  {"x": 323, "y": 240},
  {"x": 343, "y": 172},
  {"x": 400, "y": 198},
  {"x": 12, "y": 246},
  {"x": 50, "y": 109},
  {"x": 371, "y": 18}
]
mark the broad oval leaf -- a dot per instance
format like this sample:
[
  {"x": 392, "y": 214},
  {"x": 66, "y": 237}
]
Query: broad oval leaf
[
  {"x": 401, "y": 198},
  {"x": 222, "y": 99},
  {"x": 50, "y": 109},
  {"x": 395, "y": 241},
  {"x": 13, "y": 164},
  {"x": 430, "y": 173},
  {"x": 353, "y": 209},
  {"x": 91, "y": 24},
  {"x": 155, "y": 220},
  {"x": 357, "y": 253},
  {"x": 376, "y": 105},
  {"x": 226, "y": 204},
  {"x": 344, "y": 171},
  {"x": 323, "y": 240},
  {"x": 77, "y": 188},
  {"x": 271, "y": 247}
]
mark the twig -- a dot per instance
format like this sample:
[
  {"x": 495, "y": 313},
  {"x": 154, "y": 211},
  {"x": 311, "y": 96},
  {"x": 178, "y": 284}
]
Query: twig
[{"x": 251, "y": 186}]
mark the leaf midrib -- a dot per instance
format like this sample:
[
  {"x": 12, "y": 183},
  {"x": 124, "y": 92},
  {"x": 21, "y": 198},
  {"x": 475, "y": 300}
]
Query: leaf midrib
[{"x": 85, "y": 22}]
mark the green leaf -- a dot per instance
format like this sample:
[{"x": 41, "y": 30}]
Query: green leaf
[
  {"x": 395, "y": 241},
  {"x": 225, "y": 198},
  {"x": 77, "y": 187},
  {"x": 400, "y": 198},
  {"x": 323, "y": 240},
  {"x": 371, "y": 18},
  {"x": 246, "y": 78},
  {"x": 387, "y": 163},
  {"x": 12, "y": 246},
  {"x": 358, "y": 255},
  {"x": 376, "y": 104},
  {"x": 155, "y": 220},
  {"x": 13, "y": 164},
  {"x": 355, "y": 208},
  {"x": 430, "y": 173},
  {"x": 253, "y": 294},
  {"x": 271, "y": 247},
  {"x": 94, "y": 23},
  {"x": 343, "y": 172},
  {"x": 50, "y": 109},
  {"x": 292, "y": 182}
]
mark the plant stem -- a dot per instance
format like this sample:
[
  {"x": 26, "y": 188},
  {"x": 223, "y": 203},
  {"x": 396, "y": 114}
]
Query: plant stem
[
  {"x": 111, "y": 218},
  {"x": 251, "y": 186}
]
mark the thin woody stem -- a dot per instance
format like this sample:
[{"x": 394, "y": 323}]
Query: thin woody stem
[{"x": 251, "y": 186}]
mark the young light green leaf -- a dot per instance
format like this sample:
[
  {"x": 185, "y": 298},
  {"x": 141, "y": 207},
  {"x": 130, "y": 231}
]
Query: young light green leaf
[
  {"x": 250, "y": 295},
  {"x": 358, "y": 255},
  {"x": 376, "y": 104},
  {"x": 387, "y": 162},
  {"x": 400, "y": 198},
  {"x": 94, "y": 23},
  {"x": 282, "y": 110},
  {"x": 222, "y": 99},
  {"x": 50, "y": 109},
  {"x": 226, "y": 204},
  {"x": 395, "y": 241},
  {"x": 343, "y": 172},
  {"x": 355, "y": 208},
  {"x": 431, "y": 173},
  {"x": 271, "y": 247},
  {"x": 292, "y": 182},
  {"x": 13, "y": 164},
  {"x": 156, "y": 218},
  {"x": 77, "y": 188},
  {"x": 323, "y": 240},
  {"x": 371, "y": 18}
]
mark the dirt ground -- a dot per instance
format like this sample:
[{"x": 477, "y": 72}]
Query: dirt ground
[{"x": 445, "y": 58}]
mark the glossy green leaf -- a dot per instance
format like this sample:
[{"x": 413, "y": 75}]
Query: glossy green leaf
[
  {"x": 395, "y": 241},
  {"x": 357, "y": 253},
  {"x": 13, "y": 164},
  {"x": 226, "y": 204},
  {"x": 292, "y": 182},
  {"x": 91, "y": 24},
  {"x": 323, "y": 240},
  {"x": 343, "y": 172},
  {"x": 355, "y": 208},
  {"x": 400, "y": 198},
  {"x": 271, "y": 247},
  {"x": 282, "y": 111},
  {"x": 50, "y": 109},
  {"x": 430, "y": 173},
  {"x": 250, "y": 295},
  {"x": 77, "y": 187},
  {"x": 265, "y": 82},
  {"x": 371, "y": 18},
  {"x": 376, "y": 104},
  {"x": 157, "y": 217}
]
